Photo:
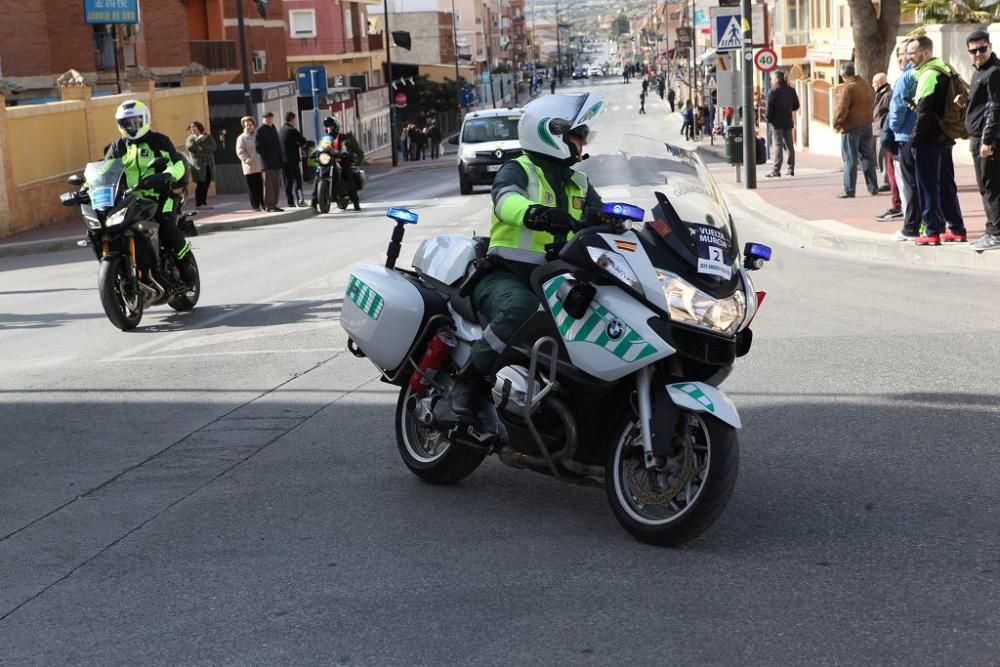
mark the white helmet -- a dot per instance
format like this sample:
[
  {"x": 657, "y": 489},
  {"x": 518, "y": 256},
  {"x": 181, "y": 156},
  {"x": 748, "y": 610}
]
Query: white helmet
[
  {"x": 133, "y": 119},
  {"x": 548, "y": 120}
]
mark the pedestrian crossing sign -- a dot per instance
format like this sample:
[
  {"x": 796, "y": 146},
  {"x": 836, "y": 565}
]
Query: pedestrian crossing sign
[{"x": 728, "y": 33}]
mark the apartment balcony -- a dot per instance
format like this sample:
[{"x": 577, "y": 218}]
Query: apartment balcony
[
  {"x": 375, "y": 43},
  {"x": 215, "y": 54}
]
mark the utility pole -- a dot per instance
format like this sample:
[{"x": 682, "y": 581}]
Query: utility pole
[
  {"x": 489, "y": 65},
  {"x": 666, "y": 40},
  {"x": 749, "y": 113},
  {"x": 693, "y": 72},
  {"x": 558, "y": 43},
  {"x": 454, "y": 39},
  {"x": 247, "y": 100},
  {"x": 388, "y": 86}
]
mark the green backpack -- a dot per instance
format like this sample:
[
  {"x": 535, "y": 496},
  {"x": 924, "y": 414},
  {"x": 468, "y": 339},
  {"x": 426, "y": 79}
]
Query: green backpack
[{"x": 953, "y": 120}]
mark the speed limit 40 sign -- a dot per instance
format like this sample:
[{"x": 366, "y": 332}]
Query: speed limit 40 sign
[{"x": 766, "y": 60}]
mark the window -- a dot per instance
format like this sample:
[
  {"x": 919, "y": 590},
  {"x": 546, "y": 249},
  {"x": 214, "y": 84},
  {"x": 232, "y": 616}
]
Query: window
[
  {"x": 259, "y": 62},
  {"x": 302, "y": 22},
  {"x": 348, "y": 26}
]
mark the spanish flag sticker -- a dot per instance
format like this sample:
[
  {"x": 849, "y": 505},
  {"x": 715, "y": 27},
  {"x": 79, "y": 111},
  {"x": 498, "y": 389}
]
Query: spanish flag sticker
[{"x": 627, "y": 246}]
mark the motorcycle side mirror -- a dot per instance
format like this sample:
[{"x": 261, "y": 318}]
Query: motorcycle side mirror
[
  {"x": 754, "y": 256},
  {"x": 159, "y": 164},
  {"x": 75, "y": 179},
  {"x": 453, "y": 140}
]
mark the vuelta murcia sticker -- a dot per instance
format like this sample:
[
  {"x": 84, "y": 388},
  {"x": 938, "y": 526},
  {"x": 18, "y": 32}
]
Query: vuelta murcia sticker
[{"x": 714, "y": 256}]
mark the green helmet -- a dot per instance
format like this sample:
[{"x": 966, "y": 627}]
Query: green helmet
[{"x": 549, "y": 120}]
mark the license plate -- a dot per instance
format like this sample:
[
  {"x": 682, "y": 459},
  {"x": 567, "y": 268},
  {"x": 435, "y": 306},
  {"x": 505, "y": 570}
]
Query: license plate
[{"x": 493, "y": 167}]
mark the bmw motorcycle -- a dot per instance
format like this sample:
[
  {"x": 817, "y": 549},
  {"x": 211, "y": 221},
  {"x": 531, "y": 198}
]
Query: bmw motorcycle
[
  {"x": 614, "y": 381},
  {"x": 333, "y": 169},
  {"x": 135, "y": 272}
]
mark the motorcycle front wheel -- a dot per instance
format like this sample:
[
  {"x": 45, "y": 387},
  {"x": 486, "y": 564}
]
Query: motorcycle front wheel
[
  {"x": 189, "y": 299},
  {"x": 120, "y": 294},
  {"x": 679, "y": 503},
  {"x": 427, "y": 452},
  {"x": 323, "y": 197}
]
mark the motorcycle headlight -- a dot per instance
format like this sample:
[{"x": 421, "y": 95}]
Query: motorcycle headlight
[
  {"x": 116, "y": 218},
  {"x": 468, "y": 152},
  {"x": 614, "y": 265},
  {"x": 324, "y": 159},
  {"x": 688, "y": 304}
]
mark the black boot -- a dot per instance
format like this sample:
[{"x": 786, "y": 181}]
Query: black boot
[
  {"x": 469, "y": 392},
  {"x": 186, "y": 267}
]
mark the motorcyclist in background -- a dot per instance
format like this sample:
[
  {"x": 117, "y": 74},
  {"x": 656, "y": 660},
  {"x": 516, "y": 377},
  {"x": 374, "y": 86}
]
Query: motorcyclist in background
[
  {"x": 537, "y": 198},
  {"x": 338, "y": 143},
  {"x": 137, "y": 148}
]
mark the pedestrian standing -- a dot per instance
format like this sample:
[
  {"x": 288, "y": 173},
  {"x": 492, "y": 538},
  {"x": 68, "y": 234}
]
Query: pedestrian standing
[
  {"x": 552, "y": 86},
  {"x": 269, "y": 147},
  {"x": 252, "y": 165},
  {"x": 896, "y": 136},
  {"x": 932, "y": 147},
  {"x": 642, "y": 101},
  {"x": 661, "y": 86},
  {"x": 853, "y": 119},
  {"x": 982, "y": 121},
  {"x": 782, "y": 103},
  {"x": 434, "y": 135},
  {"x": 201, "y": 145},
  {"x": 687, "y": 112},
  {"x": 671, "y": 96},
  {"x": 292, "y": 142},
  {"x": 883, "y": 98}
]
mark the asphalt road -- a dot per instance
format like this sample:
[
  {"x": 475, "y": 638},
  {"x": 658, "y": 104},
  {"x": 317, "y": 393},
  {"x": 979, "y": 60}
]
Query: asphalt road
[{"x": 223, "y": 487}]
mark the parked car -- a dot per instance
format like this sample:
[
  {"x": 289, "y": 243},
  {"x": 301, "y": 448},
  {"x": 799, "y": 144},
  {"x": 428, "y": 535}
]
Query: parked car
[
  {"x": 488, "y": 138},
  {"x": 595, "y": 71}
]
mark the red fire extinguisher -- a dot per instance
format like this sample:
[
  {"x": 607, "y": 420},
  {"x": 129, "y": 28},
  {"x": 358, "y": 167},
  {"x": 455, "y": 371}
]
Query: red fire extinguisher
[{"x": 438, "y": 349}]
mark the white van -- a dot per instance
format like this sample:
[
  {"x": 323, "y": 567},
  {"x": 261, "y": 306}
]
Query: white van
[{"x": 488, "y": 139}]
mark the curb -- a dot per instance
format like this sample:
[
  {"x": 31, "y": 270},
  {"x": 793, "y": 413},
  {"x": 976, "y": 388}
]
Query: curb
[
  {"x": 864, "y": 245},
  {"x": 71, "y": 242}
]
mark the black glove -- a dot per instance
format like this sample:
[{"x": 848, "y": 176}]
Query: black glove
[
  {"x": 546, "y": 219},
  {"x": 158, "y": 181}
]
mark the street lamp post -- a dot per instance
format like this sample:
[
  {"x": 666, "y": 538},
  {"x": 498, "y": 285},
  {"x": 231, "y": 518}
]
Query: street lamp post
[{"x": 388, "y": 86}]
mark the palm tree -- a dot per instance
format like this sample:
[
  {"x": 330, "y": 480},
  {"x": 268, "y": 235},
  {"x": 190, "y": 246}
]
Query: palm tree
[{"x": 955, "y": 11}]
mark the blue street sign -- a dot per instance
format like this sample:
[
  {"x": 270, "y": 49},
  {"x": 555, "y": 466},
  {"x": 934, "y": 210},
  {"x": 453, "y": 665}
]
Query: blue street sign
[
  {"x": 727, "y": 32},
  {"x": 110, "y": 11},
  {"x": 310, "y": 77}
]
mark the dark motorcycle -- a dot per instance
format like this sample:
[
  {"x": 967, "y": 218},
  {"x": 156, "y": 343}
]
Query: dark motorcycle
[
  {"x": 337, "y": 179},
  {"x": 135, "y": 271}
]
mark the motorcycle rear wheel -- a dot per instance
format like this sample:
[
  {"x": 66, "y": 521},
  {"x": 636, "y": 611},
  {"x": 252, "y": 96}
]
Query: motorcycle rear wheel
[
  {"x": 672, "y": 509},
  {"x": 427, "y": 452},
  {"x": 188, "y": 300},
  {"x": 120, "y": 294}
]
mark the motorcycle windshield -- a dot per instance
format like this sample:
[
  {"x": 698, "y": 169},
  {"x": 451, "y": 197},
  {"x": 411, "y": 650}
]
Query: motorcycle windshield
[
  {"x": 689, "y": 214},
  {"x": 104, "y": 180}
]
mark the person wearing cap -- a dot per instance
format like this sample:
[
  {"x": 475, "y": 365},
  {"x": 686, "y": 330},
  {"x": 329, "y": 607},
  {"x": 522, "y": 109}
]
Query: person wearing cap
[
  {"x": 268, "y": 146},
  {"x": 537, "y": 199}
]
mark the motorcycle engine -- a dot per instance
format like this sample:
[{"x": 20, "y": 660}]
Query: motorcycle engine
[{"x": 510, "y": 391}]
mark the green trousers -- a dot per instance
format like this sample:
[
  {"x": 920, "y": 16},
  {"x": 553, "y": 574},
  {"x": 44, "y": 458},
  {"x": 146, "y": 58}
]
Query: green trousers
[{"x": 504, "y": 297}]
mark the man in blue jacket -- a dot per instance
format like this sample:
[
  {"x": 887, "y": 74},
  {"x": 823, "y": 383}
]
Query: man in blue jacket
[{"x": 896, "y": 135}]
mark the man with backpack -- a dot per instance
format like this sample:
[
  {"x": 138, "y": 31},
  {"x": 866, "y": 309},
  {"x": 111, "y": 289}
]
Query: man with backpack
[
  {"x": 982, "y": 121},
  {"x": 940, "y": 120}
]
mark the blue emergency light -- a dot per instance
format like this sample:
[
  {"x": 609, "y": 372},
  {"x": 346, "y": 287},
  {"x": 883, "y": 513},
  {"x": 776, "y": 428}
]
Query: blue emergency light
[
  {"x": 758, "y": 251},
  {"x": 622, "y": 210},
  {"x": 402, "y": 215}
]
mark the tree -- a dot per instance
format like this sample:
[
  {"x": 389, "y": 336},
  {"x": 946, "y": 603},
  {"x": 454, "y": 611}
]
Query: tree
[
  {"x": 955, "y": 11},
  {"x": 874, "y": 35},
  {"x": 620, "y": 25}
]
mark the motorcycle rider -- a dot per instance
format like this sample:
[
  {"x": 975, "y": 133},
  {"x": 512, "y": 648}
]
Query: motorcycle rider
[
  {"x": 536, "y": 198},
  {"x": 137, "y": 148},
  {"x": 339, "y": 143}
]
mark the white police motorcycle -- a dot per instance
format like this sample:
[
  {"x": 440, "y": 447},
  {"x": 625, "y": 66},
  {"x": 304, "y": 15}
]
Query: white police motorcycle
[{"x": 614, "y": 381}]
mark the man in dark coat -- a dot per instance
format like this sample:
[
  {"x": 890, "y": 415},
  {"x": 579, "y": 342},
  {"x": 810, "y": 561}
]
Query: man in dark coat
[
  {"x": 982, "y": 121},
  {"x": 268, "y": 146},
  {"x": 782, "y": 103},
  {"x": 292, "y": 142}
]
